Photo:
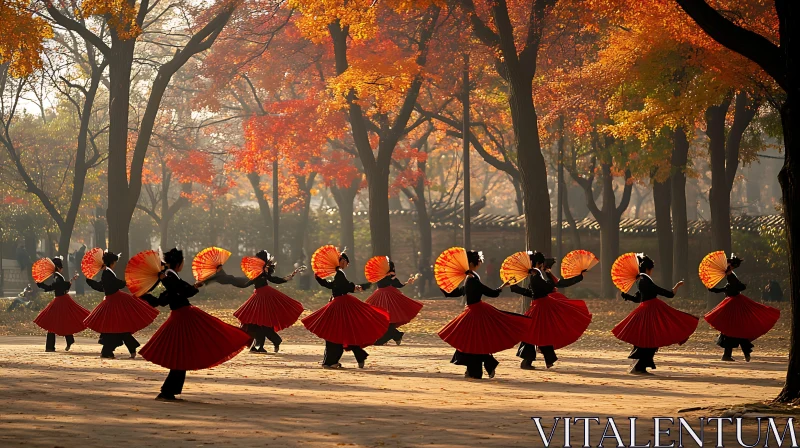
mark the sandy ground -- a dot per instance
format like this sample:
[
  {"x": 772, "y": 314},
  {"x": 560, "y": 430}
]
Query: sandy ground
[{"x": 408, "y": 395}]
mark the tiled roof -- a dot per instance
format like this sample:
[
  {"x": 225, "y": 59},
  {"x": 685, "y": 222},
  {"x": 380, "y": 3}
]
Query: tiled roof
[{"x": 627, "y": 225}]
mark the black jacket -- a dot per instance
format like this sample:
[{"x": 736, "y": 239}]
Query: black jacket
[
  {"x": 648, "y": 290},
  {"x": 108, "y": 284},
  {"x": 473, "y": 289},
  {"x": 733, "y": 288},
  {"x": 340, "y": 285},
  {"x": 540, "y": 286},
  {"x": 389, "y": 281},
  {"x": 177, "y": 292},
  {"x": 60, "y": 285}
]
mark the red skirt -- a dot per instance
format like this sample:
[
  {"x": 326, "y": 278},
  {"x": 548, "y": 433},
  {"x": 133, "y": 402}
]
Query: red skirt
[
  {"x": 269, "y": 307},
  {"x": 655, "y": 324},
  {"x": 557, "y": 321},
  {"x": 482, "y": 329},
  {"x": 348, "y": 321},
  {"x": 191, "y": 339},
  {"x": 62, "y": 316},
  {"x": 121, "y": 313},
  {"x": 740, "y": 317},
  {"x": 401, "y": 309}
]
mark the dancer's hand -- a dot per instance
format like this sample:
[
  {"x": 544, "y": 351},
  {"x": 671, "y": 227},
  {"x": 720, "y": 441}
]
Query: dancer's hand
[
  {"x": 504, "y": 285},
  {"x": 198, "y": 284},
  {"x": 677, "y": 285},
  {"x": 411, "y": 280},
  {"x": 74, "y": 277}
]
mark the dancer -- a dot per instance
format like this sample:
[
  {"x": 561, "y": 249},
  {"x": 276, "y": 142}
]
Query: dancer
[
  {"x": 62, "y": 316},
  {"x": 653, "y": 323},
  {"x": 190, "y": 338},
  {"x": 402, "y": 309},
  {"x": 268, "y": 310},
  {"x": 345, "y": 323},
  {"x": 739, "y": 319},
  {"x": 119, "y": 314},
  {"x": 557, "y": 320},
  {"x": 481, "y": 329}
]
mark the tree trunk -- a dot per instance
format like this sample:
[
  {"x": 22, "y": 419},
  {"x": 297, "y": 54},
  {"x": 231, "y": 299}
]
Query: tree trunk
[
  {"x": 120, "y": 208},
  {"x": 680, "y": 226},
  {"x": 719, "y": 196},
  {"x": 789, "y": 178},
  {"x": 661, "y": 201},
  {"x": 345, "y": 198},
  {"x": 609, "y": 251},
  {"x": 575, "y": 234},
  {"x": 379, "y": 223},
  {"x": 532, "y": 168},
  {"x": 263, "y": 209}
]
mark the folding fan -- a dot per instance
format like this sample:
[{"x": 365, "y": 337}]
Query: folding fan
[
  {"x": 142, "y": 271},
  {"x": 324, "y": 261},
  {"x": 625, "y": 271},
  {"x": 451, "y": 268},
  {"x": 92, "y": 262},
  {"x": 712, "y": 268},
  {"x": 376, "y": 268},
  {"x": 516, "y": 268},
  {"x": 42, "y": 269},
  {"x": 207, "y": 261},
  {"x": 252, "y": 267},
  {"x": 574, "y": 263}
]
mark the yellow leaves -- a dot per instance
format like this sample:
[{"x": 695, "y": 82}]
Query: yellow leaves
[
  {"x": 121, "y": 16},
  {"x": 357, "y": 15},
  {"x": 378, "y": 82},
  {"x": 23, "y": 37}
]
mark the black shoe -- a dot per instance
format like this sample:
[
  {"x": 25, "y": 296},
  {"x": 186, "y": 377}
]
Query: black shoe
[
  {"x": 254, "y": 349},
  {"x": 66, "y": 349},
  {"x": 332, "y": 366},
  {"x": 399, "y": 340},
  {"x": 261, "y": 350},
  {"x": 49, "y": 350},
  {"x": 133, "y": 353},
  {"x": 277, "y": 347},
  {"x": 549, "y": 365},
  {"x": 360, "y": 364},
  {"x": 111, "y": 356},
  {"x": 527, "y": 364},
  {"x": 167, "y": 397},
  {"x": 727, "y": 359},
  {"x": 747, "y": 357},
  {"x": 491, "y": 374}
]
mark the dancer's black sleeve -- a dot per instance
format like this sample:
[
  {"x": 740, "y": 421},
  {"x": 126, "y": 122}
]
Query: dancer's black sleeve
[
  {"x": 489, "y": 292},
  {"x": 325, "y": 283},
  {"x": 94, "y": 284},
  {"x": 629, "y": 298},
  {"x": 458, "y": 292},
  {"x": 567, "y": 282},
  {"x": 521, "y": 291}
]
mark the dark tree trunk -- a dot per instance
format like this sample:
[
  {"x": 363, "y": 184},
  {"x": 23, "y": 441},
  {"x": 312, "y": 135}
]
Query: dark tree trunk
[
  {"x": 573, "y": 227},
  {"x": 719, "y": 195},
  {"x": 680, "y": 227},
  {"x": 299, "y": 241},
  {"x": 379, "y": 222},
  {"x": 263, "y": 209},
  {"x": 662, "y": 203},
  {"x": 344, "y": 198}
]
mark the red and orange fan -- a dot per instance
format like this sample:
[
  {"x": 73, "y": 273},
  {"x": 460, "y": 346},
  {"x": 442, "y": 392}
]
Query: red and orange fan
[
  {"x": 450, "y": 269},
  {"x": 376, "y": 268},
  {"x": 516, "y": 268},
  {"x": 207, "y": 261},
  {"x": 574, "y": 263},
  {"x": 252, "y": 267},
  {"x": 325, "y": 260},
  {"x": 92, "y": 262},
  {"x": 42, "y": 269},
  {"x": 625, "y": 271},
  {"x": 712, "y": 268},
  {"x": 142, "y": 271}
]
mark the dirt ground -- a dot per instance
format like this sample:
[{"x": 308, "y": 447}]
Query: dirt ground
[{"x": 408, "y": 395}]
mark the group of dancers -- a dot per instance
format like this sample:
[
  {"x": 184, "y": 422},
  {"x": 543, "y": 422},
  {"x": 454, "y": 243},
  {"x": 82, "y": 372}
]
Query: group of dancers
[{"x": 191, "y": 339}]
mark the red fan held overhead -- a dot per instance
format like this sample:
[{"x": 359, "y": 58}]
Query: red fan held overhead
[
  {"x": 376, "y": 268},
  {"x": 325, "y": 260},
  {"x": 92, "y": 262},
  {"x": 42, "y": 269},
  {"x": 450, "y": 269},
  {"x": 142, "y": 271},
  {"x": 625, "y": 271},
  {"x": 712, "y": 268},
  {"x": 574, "y": 263},
  {"x": 516, "y": 268},
  {"x": 207, "y": 261},
  {"x": 252, "y": 267}
]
